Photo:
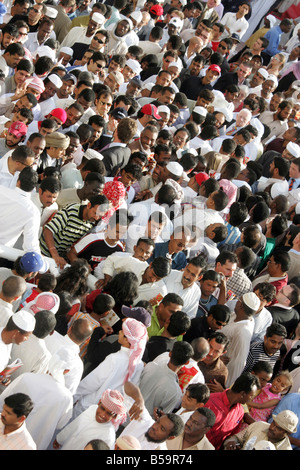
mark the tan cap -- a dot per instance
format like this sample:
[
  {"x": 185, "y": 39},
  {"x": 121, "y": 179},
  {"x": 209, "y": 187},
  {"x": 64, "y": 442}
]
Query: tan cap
[
  {"x": 57, "y": 140},
  {"x": 287, "y": 420}
]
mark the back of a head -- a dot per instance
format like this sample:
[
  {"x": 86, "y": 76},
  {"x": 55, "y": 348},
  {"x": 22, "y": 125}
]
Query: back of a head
[
  {"x": 45, "y": 323},
  {"x": 200, "y": 347},
  {"x": 182, "y": 352},
  {"x": 220, "y": 199},
  {"x": 28, "y": 179},
  {"x": 245, "y": 383},
  {"x": 166, "y": 195},
  {"x": 13, "y": 286},
  {"x": 161, "y": 266},
  {"x": 179, "y": 324},
  {"x": 103, "y": 303}
]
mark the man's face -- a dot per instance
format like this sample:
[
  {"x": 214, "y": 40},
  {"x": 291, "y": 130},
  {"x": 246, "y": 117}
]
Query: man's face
[
  {"x": 9, "y": 418},
  {"x": 94, "y": 213},
  {"x": 195, "y": 68},
  {"x": 272, "y": 344},
  {"x": 257, "y": 46},
  {"x": 103, "y": 414},
  {"x": 284, "y": 113},
  {"x": 122, "y": 28},
  {"x": 248, "y": 396},
  {"x": 275, "y": 102},
  {"x": 208, "y": 287},
  {"x": 167, "y": 97},
  {"x": 190, "y": 275},
  {"x": 196, "y": 425},
  {"x": 13, "y": 60},
  {"x": 294, "y": 171},
  {"x": 166, "y": 311},
  {"x": 47, "y": 198},
  {"x": 216, "y": 350},
  {"x": 67, "y": 88},
  {"x": 268, "y": 86},
  {"x": 93, "y": 188},
  {"x": 97, "y": 132},
  {"x": 20, "y": 338},
  {"x": 132, "y": 89},
  {"x": 143, "y": 251},
  {"x": 203, "y": 33},
  {"x": 50, "y": 90},
  {"x": 166, "y": 61},
  {"x": 243, "y": 72},
  {"x": 97, "y": 66},
  {"x": 202, "y": 102},
  {"x": 37, "y": 146},
  {"x": 160, "y": 430},
  {"x": 276, "y": 433},
  {"x": 111, "y": 82},
  {"x": 103, "y": 104},
  {"x": 7, "y": 40},
  {"x": 179, "y": 140},
  {"x": 35, "y": 14},
  {"x": 164, "y": 79},
  {"x": 228, "y": 268},
  {"x": 154, "y": 229},
  {"x": 127, "y": 178},
  {"x": 84, "y": 103},
  {"x": 242, "y": 119},
  {"x": 92, "y": 27},
  {"x": 117, "y": 232},
  {"x": 148, "y": 139},
  {"x": 21, "y": 76},
  {"x": 73, "y": 146},
  {"x": 211, "y": 75},
  {"x": 257, "y": 79},
  {"x": 222, "y": 48},
  {"x": 12, "y": 140},
  {"x": 113, "y": 66},
  {"x": 44, "y": 32},
  {"x": 150, "y": 276},
  {"x": 73, "y": 115}
]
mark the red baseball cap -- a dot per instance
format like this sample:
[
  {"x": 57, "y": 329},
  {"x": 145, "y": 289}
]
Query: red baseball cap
[
  {"x": 200, "y": 177},
  {"x": 157, "y": 10},
  {"x": 18, "y": 128},
  {"x": 215, "y": 68},
  {"x": 151, "y": 110}
]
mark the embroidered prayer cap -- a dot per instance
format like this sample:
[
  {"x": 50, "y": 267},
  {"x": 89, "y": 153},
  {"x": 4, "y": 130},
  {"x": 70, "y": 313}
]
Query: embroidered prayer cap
[
  {"x": 57, "y": 140},
  {"x": 128, "y": 443}
]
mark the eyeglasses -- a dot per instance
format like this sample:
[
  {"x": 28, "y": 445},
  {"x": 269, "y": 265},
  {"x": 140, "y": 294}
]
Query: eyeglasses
[
  {"x": 100, "y": 66},
  {"x": 25, "y": 164},
  {"x": 35, "y": 10},
  {"x": 99, "y": 40},
  {"x": 105, "y": 104},
  {"x": 222, "y": 47}
]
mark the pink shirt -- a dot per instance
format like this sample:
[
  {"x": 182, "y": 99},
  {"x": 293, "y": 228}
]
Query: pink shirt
[{"x": 228, "y": 418}]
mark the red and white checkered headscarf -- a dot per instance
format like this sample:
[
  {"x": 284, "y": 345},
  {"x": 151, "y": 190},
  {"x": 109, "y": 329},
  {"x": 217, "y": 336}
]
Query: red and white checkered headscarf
[
  {"x": 115, "y": 192},
  {"x": 113, "y": 400},
  {"x": 44, "y": 301},
  {"x": 137, "y": 335}
]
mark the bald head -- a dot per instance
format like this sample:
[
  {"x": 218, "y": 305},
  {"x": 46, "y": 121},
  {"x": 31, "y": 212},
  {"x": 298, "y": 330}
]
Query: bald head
[
  {"x": 12, "y": 288},
  {"x": 201, "y": 348},
  {"x": 80, "y": 330}
]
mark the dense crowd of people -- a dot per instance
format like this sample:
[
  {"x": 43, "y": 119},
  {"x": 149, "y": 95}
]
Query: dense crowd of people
[{"x": 149, "y": 225}]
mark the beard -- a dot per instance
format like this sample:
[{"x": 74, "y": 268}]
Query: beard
[{"x": 150, "y": 439}]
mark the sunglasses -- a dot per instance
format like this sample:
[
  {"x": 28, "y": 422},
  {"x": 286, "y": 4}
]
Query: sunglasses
[
  {"x": 99, "y": 40},
  {"x": 100, "y": 66},
  {"x": 222, "y": 47}
]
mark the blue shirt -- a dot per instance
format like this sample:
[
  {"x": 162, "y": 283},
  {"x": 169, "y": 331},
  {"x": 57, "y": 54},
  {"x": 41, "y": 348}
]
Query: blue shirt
[
  {"x": 296, "y": 183},
  {"x": 162, "y": 249},
  {"x": 273, "y": 36},
  {"x": 291, "y": 402}
]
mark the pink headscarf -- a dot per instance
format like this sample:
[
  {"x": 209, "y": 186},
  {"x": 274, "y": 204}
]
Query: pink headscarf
[
  {"x": 44, "y": 301},
  {"x": 115, "y": 192},
  {"x": 137, "y": 335},
  {"x": 114, "y": 402}
]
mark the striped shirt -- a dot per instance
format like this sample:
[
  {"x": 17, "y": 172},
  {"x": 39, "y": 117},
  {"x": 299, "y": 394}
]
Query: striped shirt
[
  {"x": 67, "y": 227},
  {"x": 258, "y": 353},
  {"x": 20, "y": 439}
]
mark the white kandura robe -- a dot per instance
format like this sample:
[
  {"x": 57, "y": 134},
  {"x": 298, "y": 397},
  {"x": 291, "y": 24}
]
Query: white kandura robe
[
  {"x": 240, "y": 335},
  {"x": 53, "y": 404},
  {"x": 34, "y": 355},
  {"x": 111, "y": 374},
  {"x": 83, "y": 429}
]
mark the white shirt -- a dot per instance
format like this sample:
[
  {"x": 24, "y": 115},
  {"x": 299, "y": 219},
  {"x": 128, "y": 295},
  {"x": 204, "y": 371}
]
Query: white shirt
[
  {"x": 7, "y": 179},
  {"x": 34, "y": 355},
  {"x": 239, "y": 334},
  {"x": 85, "y": 428},
  {"x": 110, "y": 373},
  {"x": 141, "y": 211},
  {"x": 262, "y": 321},
  {"x": 45, "y": 212},
  {"x": 235, "y": 25},
  {"x": 53, "y": 405},
  {"x": 6, "y": 312},
  {"x": 20, "y": 439},
  {"x": 189, "y": 295},
  {"x": 138, "y": 428},
  {"x": 18, "y": 215},
  {"x": 5, "y": 350},
  {"x": 54, "y": 342}
]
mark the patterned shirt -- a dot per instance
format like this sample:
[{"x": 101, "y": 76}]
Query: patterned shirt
[
  {"x": 67, "y": 226},
  {"x": 20, "y": 439}
]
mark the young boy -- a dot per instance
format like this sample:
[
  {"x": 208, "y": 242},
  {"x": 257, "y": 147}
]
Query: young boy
[{"x": 195, "y": 396}]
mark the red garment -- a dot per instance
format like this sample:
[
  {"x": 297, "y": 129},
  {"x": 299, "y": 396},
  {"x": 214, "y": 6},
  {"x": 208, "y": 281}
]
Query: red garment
[
  {"x": 228, "y": 418},
  {"x": 32, "y": 296}
]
